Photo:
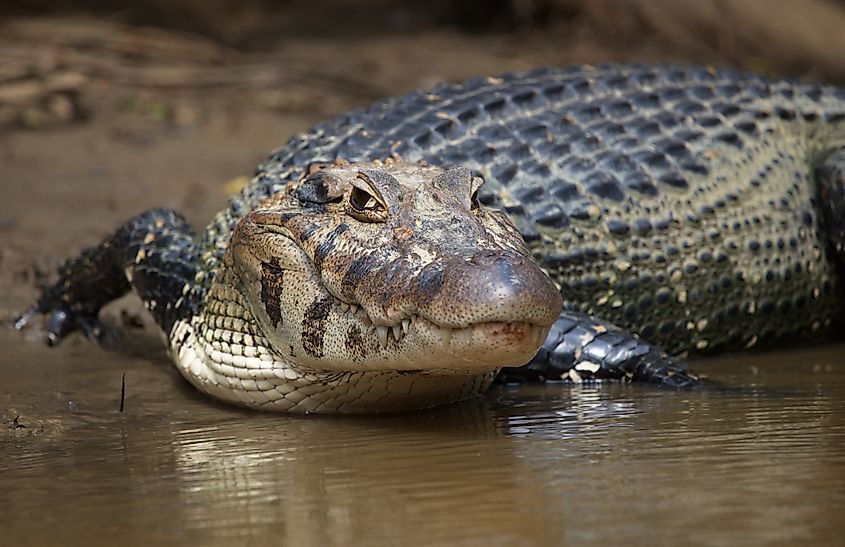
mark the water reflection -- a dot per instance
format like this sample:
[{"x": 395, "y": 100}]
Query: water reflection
[
  {"x": 350, "y": 479},
  {"x": 759, "y": 457}
]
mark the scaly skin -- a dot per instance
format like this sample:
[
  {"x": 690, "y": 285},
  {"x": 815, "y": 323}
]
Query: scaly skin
[
  {"x": 700, "y": 209},
  {"x": 351, "y": 289},
  {"x": 679, "y": 203}
]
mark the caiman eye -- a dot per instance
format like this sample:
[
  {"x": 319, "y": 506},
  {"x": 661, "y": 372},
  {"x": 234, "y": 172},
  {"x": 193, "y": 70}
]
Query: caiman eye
[
  {"x": 362, "y": 201},
  {"x": 365, "y": 202}
]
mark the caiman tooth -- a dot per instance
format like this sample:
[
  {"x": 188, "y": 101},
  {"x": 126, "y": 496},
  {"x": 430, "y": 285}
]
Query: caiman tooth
[
  {"x": 447, "y": 336},
  {"x": 344, "y": 307},
  {"x": 406, "y": 324},
  {"x": 397, "y": 332},
  {"x": 353, "y": 309},
  {"x": 381, "y": 331}
]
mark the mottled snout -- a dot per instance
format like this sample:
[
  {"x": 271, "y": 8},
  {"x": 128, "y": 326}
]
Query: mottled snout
[{"x": 492, "y": 286}]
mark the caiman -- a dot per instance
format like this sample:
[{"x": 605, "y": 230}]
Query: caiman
[{"x": 599, "y": 222}]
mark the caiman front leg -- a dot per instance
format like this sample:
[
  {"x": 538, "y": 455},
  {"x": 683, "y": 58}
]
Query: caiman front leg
[
  {"x": 154, "y": 253},
  {"x": 580, "y": 347}
]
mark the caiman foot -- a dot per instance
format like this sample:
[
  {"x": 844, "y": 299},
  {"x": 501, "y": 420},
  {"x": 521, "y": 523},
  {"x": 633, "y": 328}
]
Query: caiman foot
[
  {"x": 62, "y": 322},
  {"x": 154, "y": 252}
]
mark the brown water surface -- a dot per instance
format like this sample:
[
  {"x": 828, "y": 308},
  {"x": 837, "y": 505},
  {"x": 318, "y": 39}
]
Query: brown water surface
[{"x": 758, "y": 458}]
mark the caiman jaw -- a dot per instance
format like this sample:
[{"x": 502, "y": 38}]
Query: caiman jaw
[
  {"x": 394, "y": 334},
  {"x": 376, "y": 267}
]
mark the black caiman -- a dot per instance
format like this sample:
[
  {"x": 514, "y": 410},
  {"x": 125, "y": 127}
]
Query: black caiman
[{"x": 615, "y": 218}]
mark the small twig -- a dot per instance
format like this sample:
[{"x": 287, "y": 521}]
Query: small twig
[{"x": 122, "y": 391}]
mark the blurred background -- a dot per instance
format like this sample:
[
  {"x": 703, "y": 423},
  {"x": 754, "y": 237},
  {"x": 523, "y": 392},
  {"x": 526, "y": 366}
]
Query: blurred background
[{"x": 322, "y": 56}]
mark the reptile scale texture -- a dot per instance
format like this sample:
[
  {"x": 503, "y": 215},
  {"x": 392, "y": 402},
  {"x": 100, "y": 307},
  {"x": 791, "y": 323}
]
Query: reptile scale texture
[{"x": 616, "y": 218}]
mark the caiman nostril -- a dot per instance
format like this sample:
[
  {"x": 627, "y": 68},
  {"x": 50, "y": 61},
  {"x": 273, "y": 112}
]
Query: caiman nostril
[{"x": 485, "y": 257}]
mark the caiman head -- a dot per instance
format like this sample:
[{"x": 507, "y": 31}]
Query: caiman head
[{"x": 391, "y": 266}]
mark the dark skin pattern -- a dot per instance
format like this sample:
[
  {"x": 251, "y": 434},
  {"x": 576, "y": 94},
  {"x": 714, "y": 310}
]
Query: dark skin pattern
[
  {"x": 272, "y": 279},
  {"x": 313, "y": 327}
]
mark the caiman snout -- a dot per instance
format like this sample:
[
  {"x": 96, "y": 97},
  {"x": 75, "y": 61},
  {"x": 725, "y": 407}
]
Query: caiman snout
[{"x": 490, "y": 287}]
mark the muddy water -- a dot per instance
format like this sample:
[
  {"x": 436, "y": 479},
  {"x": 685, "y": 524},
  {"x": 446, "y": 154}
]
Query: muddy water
[{"x": 760, "y": 457}]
